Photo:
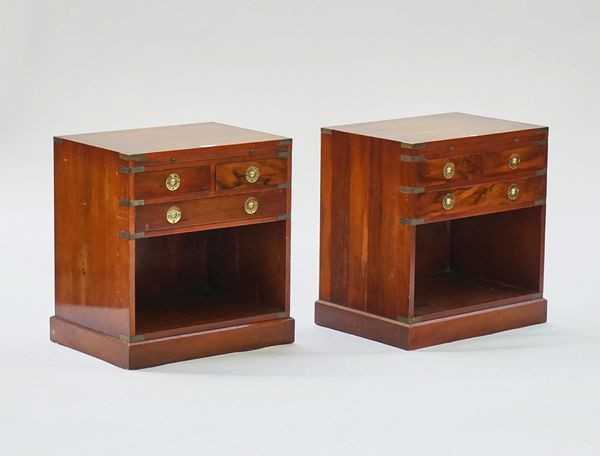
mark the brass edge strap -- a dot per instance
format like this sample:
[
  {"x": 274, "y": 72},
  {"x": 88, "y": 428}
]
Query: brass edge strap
[
  {"x": 412, "y": 222},
  {"x": 409, "y": 320},
  {"x": 284, "y": 154},
  {"x": 127, "y": 170},
  {"x": 137, "y": 157},
  {"x": 411, "y": 158},
  {"x": 283, "y": 142},
  {"x": 412, "y": 146},
  {"x": 541, "y": 172},
  {"x": 540, "y": 202},
  {"x": 412, "y": 190},
  {"x": 130, "y": 236},
  {"x": 286, "y": 185},
  {"x": 283, "y": 314},
  {"x": 131, "y": 339},
  {"x": 130, "y": 203},
  {"x": 284, "y": 217},
  {"x": 326, "y": 131},
  {"x": 541, "y": 142}
]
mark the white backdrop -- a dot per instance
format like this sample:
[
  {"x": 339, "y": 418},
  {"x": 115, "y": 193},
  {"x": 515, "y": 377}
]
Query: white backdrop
[{"x": 290, "y": 67}]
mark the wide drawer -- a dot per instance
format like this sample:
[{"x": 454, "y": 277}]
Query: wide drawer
[
  {"x": 251, "y": 175},
  {"x": 172, "y": 182},
  {"x": 480, "y": 198},
  {"x": 210, "y": 210}
]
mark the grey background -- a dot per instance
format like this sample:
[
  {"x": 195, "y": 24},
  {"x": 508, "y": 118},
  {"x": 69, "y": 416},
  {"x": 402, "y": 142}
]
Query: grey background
[{"x": 290, "y": 67}]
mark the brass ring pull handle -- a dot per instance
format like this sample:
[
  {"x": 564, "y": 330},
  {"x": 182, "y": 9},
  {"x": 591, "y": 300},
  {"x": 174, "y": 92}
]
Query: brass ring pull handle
[
  {"x": 251, "y": 205},
  {"x": 173, "y": 181},
  {"x": 448, "y": 201},
  {"x": 252, "y": 174},
  {"x": 173, "y": 214},
  {"x": 514, "y": 161},
  {"x": 449, "y": 170},
  {"x": 513, "y": 192}
]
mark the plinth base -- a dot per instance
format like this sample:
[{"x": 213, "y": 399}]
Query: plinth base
[
  {"x": 165, "y": 350},
  {"x": 432, "y": 332}
]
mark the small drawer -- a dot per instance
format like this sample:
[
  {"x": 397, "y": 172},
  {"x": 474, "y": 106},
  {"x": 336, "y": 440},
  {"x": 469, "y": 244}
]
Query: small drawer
[
  {"x": 451, "y": 169},
  {"x": 480, "y": 198},
  {"x": 210, "y": 210},
  {"x": 172, "y": 182},
  {"x": 515, "y": 159},
  {"x": 251, "y": 175}
]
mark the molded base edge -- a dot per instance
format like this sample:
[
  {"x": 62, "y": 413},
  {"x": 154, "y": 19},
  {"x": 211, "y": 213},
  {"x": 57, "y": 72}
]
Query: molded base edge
[
  {"x": 172, "y": 349},
  {"x": 432, "y": 332}
]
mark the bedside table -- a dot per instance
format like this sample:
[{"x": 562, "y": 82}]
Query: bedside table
[
  {"x": 171, "y": 243},
  {"x": 432, "y": 228}
]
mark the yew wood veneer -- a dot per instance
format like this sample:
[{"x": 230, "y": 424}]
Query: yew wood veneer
[
  {"x": 171, "y": 243},
  {"x": 432, "y": 228}
]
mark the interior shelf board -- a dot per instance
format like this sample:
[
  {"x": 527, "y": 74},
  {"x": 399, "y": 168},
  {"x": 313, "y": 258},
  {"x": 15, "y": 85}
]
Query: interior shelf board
[
  {"x": 451, "y": 293},
  {"x": 204, "y": 308}
]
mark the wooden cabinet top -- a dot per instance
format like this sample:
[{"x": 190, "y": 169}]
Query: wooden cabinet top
[
  {"x": 438, "y": 127},
  {"x": 171, "y": 138}
]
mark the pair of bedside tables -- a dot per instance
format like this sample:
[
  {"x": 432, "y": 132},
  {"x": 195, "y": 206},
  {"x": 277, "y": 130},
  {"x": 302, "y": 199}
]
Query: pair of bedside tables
[{"x": 173, "y": 243}]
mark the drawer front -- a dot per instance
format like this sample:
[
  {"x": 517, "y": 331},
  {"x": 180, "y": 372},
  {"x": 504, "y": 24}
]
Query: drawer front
[
  {"x": 515, "y": 159},
  {"x": 251, "y": 175},
  {"x": 480, "y": 198},
  {"x": 172, "y": 182},
  {"x": 210, "y": 210},
  {"x": 451, "y": 169}
]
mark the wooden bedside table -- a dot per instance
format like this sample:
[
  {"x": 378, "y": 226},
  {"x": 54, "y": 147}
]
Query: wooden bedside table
[
  {"x": 171, "y": 243},
  {"x": 432, "y": 228}
]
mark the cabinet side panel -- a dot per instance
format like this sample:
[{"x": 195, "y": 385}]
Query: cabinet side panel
[
  {"x": 325, "y": 223},
  {"x": 391, "y": 256},
  {"x": 92, "y": 263},
  {"x": 358, "y": 223},
  {"x": 340, "y": 215}
]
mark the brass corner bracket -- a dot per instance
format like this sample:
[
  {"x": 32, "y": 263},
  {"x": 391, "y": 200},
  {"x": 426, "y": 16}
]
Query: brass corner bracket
[
  {"x": 130, "y": 203},
  {"x": 411, "y": 222},
  {"x": 133, "y": 170},
  {"x": 130, "y": 236},
  {"x": 132, "y": 339}
]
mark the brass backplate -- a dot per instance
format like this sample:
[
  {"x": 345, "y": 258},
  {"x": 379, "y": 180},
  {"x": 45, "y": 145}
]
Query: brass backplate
[
  {"x": 252, "y": 174},
  {"x": 173, "y": 214},
  {"x": 251, "y": 205},
  {"x": 448, "y": 201},
  {"x": 514, "y": 161},
  {"x": 513, "y": 192},
  {"x": 173, "y": 182},
  {"x": 449, "y": 170}
]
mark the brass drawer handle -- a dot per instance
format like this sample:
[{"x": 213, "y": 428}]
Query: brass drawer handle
[
  {"x": 173, "y": 214},
  {"x": 448, "y": 201},
  {"x": 514, "y": 161},
  {"x": 251, "y": 205},
  {"x": 252, "y": 174},
  {"x": 449, "y": 170},
  {"x": 513, "y": 192},
  {"x": 173, "y": 181}
]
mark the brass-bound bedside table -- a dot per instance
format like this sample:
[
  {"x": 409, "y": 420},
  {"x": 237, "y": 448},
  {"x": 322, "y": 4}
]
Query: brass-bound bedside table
[
  {"x": 172, "y": 243},
  {"x": 432, "y": 228}
]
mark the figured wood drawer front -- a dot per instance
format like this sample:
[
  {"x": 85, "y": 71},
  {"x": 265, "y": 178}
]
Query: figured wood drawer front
[
  {"x": 172, "y": 182},
  {"x": 451, "y": 169},
  {"x": 249, "y": 175},
  {"x": 481, "y": 198},
  {"x": 515, "y": 159},
  {"x": 210, "y": 210}
]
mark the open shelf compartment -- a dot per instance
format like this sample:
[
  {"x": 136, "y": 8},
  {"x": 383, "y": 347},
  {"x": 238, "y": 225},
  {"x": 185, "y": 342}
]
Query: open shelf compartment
[
  {"x": 210, "y": 279},
  {"x": 476, "y": 263}
]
